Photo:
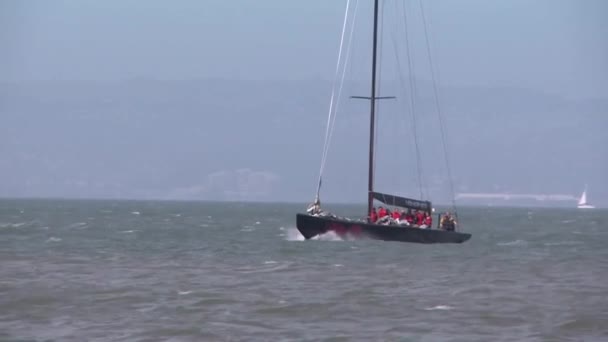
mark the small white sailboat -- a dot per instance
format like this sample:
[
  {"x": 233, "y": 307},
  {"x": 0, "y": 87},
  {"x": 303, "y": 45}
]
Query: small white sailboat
[{"x": 582, "y": 202}]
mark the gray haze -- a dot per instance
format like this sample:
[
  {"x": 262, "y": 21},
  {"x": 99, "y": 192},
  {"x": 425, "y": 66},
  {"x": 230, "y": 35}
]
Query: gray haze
[{"x": 227, "y": 100}]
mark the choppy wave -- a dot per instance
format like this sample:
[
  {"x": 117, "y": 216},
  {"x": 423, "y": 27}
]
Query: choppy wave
[
  {"x": 77, "y": 225},
  {"x": 247, "y": 228},
  {"x": 439, "y": 307},
  {"x": 266, "y": 267},
  {"x": 12, "y": 225},
  {"x": 562, "y": 243},
  {"x": 69, "y": 284},
  {"x": 513, "y": 243}
]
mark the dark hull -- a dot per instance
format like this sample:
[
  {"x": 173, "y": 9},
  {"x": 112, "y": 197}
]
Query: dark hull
[{"x": 311, "y": 226}]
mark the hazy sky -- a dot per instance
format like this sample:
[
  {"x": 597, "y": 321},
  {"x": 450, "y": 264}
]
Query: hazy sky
[
  {"x": 552, "y": 45},
  {"x": 525, "y": 85}
]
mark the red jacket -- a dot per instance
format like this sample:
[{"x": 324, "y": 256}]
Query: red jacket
[
  {"x": 419, "y": 218},
  {"x": 381, "y": 212},
  {"x": 373, "y": 217},
  {"x": 428, "y": 220}
]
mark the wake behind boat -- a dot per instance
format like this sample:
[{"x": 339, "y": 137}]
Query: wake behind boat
[{"x": 404, "y": 219}]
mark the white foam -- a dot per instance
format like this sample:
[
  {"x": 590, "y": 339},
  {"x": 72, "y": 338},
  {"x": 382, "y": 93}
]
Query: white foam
[
  {"x": 329, "y": 236},
  {"x": 182, "y": 293},
  {"x": 257, "y": 222},
  {"x": 135, "y": 213},
  {"x": 269, "y": 266},
  {"x": 513, "y": 243},
  {"x": 562, "y": 243},
  {"x": 128, "y": 231},
  {"x": 78, "y": 225},
  {"x": 148, "y": 308},
  {"x": 338, "y": 265},
  {"x": 293, "y": 234},
  {"x": 440, "y": 307},
  {"x": 53, "y": 239},
  {"x": 12, "y": 225}
]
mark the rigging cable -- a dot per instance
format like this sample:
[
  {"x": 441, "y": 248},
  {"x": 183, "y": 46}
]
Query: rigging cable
[
  {"x": 342, "y": 78},
  {"x": 413, "y": 104},
  {"x": 333, "y": 109},
  {"x": 441, "y": 122}
]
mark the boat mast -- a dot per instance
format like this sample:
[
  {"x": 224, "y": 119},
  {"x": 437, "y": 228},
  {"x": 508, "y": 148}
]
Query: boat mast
[{"x": 372, "y": 117}]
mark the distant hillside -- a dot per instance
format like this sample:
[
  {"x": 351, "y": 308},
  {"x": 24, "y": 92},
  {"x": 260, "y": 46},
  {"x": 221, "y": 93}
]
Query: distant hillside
[{"x": 258, "y": 140}]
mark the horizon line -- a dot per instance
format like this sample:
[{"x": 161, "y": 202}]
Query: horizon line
[{"x": 218, "y": 201}]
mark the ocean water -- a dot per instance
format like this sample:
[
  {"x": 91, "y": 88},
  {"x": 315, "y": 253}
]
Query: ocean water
[{"x": 179, "y": 271}]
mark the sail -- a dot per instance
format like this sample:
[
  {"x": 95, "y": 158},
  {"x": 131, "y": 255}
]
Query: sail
[
  {"x": 402, "y": 202},
  {"x": 583, "y": 199}
]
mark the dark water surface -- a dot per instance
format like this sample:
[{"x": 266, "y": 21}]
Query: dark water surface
[{"x": 171, "y": 271}]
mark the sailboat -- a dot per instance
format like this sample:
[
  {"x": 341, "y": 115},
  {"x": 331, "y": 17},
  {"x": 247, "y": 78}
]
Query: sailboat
[
  {"x": 316, "y": 221},
  {"x": 582, "y": 202}
]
